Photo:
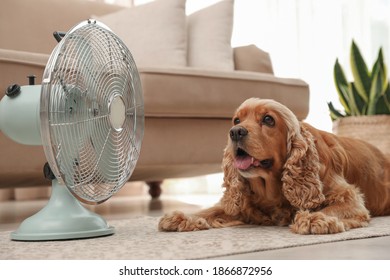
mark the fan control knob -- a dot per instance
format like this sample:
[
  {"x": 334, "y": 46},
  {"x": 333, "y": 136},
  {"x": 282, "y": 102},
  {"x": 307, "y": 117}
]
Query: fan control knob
[
  {"x": 31, "y": 80},
  {"x": 12, "y": 90}
]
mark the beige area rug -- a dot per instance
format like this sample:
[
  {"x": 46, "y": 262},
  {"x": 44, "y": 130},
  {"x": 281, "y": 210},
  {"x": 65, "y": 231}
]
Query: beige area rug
[{"x": 138, "y": 238}]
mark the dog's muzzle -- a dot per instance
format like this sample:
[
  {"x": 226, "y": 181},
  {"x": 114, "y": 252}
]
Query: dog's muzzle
[{"x": 237, "y": 133}]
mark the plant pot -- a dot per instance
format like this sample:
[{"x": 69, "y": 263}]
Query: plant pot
[{"x": 373, "y": 129}]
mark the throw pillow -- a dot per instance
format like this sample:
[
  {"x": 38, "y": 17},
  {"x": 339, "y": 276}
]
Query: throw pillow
[
  {"x": 154, "y": 33},
  {"x": 209, "y": 33},
  {"x": 251, "y": 58}
]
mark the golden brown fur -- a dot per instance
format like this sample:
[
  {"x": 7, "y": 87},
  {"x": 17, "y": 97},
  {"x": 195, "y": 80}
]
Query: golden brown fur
[{"x": 279, "y": 171}]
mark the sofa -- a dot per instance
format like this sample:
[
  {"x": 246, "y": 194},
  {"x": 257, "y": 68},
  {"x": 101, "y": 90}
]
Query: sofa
[{"x": 189, "y": 96}]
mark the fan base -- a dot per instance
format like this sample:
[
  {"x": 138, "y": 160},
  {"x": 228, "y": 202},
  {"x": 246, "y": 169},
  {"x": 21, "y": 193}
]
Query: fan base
[{"x": 62, "y": 218}]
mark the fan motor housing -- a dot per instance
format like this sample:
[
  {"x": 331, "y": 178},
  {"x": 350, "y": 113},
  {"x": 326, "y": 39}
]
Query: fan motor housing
[{"x": 19, "y": 116}]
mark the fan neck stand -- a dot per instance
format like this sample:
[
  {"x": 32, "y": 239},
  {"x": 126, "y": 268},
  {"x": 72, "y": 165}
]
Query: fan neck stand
[{"x": 62, "y": 218}]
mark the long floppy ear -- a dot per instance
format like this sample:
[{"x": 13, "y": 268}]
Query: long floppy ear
[
  {"x": 301, "y": 182},
  {"x": 232, "y": 199}
]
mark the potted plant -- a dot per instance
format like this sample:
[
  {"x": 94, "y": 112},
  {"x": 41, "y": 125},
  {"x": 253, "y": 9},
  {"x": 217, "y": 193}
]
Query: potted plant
[{"x": 366, "y": 101}]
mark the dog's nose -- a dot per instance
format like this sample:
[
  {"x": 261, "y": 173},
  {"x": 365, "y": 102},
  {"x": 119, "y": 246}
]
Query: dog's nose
[{"x": 237, "y": 133}]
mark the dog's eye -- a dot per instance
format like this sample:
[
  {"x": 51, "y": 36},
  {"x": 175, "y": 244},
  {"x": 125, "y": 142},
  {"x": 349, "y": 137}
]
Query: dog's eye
[
  {"x": 268, "y": 120},
  {"x": 236, "y": 121}
]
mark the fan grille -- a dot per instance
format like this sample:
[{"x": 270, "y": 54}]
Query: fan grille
[{"x": 92, "y": 116}]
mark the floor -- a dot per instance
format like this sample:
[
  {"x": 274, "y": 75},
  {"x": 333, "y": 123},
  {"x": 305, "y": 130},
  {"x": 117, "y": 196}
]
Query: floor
[{"x": 12, "y": 213}]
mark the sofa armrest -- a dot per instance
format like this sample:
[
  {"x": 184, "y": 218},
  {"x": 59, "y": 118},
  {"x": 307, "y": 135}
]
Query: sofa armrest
[
  {"x": 15, "y": 66},
  {"x": 23, "y": 57},
  {"x": 251, "y": 58}
]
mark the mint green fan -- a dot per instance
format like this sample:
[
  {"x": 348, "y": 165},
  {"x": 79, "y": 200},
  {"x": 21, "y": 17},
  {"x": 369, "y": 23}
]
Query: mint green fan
[{"x": 89, "y": 116}]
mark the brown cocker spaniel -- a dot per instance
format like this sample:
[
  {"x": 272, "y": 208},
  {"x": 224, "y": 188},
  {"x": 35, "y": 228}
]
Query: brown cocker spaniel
[{"x": 279, "y": 171}]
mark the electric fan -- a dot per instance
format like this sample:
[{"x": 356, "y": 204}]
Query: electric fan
[{"x": 89, "y": 116}]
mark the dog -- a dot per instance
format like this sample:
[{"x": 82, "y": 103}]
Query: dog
[{"x": 282, "y": 172}]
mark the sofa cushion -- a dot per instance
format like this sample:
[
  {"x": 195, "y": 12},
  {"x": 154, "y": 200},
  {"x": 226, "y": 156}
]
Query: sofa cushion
[
  {"x": 198, "y": 93},
  {"x": 155, "y": 32},
  {"x": 251, "y": 58},
  {"x": 209, "y": 33}
]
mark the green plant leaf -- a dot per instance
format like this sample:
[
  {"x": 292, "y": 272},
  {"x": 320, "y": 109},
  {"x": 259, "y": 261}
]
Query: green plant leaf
[
  {"x": 334, "y": 114},
  {"x": 378, "y": 87},
  {"x": 375, "y": 92},
  {"x": 386, "y": 98},
  {"x": 368, "y": 93},
  {"x": 341, "y": 83},
  {"x": 357, "y": 104},
  {"x": 379, "y": 63},
  {"x": 382, "y": 106},
  {"x": 360, "y": 72},
  {"x": 383, "y": 103},
  {"x": 361, "y": 105},
  {"x": 347, "y": 91}
]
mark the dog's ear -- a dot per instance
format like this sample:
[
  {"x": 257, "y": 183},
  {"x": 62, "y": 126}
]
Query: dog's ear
[
  {"x": 301, "y": 182},
  {"x": 231, "y": 201}
]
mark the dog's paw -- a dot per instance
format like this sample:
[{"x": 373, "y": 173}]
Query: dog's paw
[
  {"x": 178, "y": 221},
  {"x": 316, "y": 223}
]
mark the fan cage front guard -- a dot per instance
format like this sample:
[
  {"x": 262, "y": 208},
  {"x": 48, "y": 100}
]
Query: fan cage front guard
[{"x": 88, "y": 72}]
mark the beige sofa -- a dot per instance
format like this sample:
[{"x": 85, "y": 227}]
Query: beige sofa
[{"x": 187, "y": 109}]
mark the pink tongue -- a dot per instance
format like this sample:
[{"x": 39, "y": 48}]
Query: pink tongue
[{"x": 243, "y": 163}]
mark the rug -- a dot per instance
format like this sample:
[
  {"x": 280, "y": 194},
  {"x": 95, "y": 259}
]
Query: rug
[{"x": 138, "y": 238}]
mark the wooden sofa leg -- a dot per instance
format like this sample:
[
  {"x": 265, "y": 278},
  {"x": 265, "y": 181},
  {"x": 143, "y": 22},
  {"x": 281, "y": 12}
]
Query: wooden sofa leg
[{"x": 154, "y": 188}]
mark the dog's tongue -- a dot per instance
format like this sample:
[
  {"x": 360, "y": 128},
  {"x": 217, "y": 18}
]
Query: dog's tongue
[{"x": 243, "y": 163}]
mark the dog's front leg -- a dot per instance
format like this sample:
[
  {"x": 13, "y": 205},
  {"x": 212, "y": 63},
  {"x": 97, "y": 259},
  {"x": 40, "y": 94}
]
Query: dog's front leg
[
  {"x": 214, "y": 217},
  {"x": 343, "y": 209}
]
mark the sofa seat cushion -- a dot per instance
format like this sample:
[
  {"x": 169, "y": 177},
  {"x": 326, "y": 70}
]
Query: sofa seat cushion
[{"x": 199, "y": 93}]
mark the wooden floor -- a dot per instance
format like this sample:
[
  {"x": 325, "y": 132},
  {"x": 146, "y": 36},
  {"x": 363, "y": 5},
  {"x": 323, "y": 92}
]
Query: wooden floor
[{"x": 14, "y": 212}]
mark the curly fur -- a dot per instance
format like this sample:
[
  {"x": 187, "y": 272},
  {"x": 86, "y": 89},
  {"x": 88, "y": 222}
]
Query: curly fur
[
  {"x": 301, "y": 181},
  {"x": 311, "y": 180}
]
